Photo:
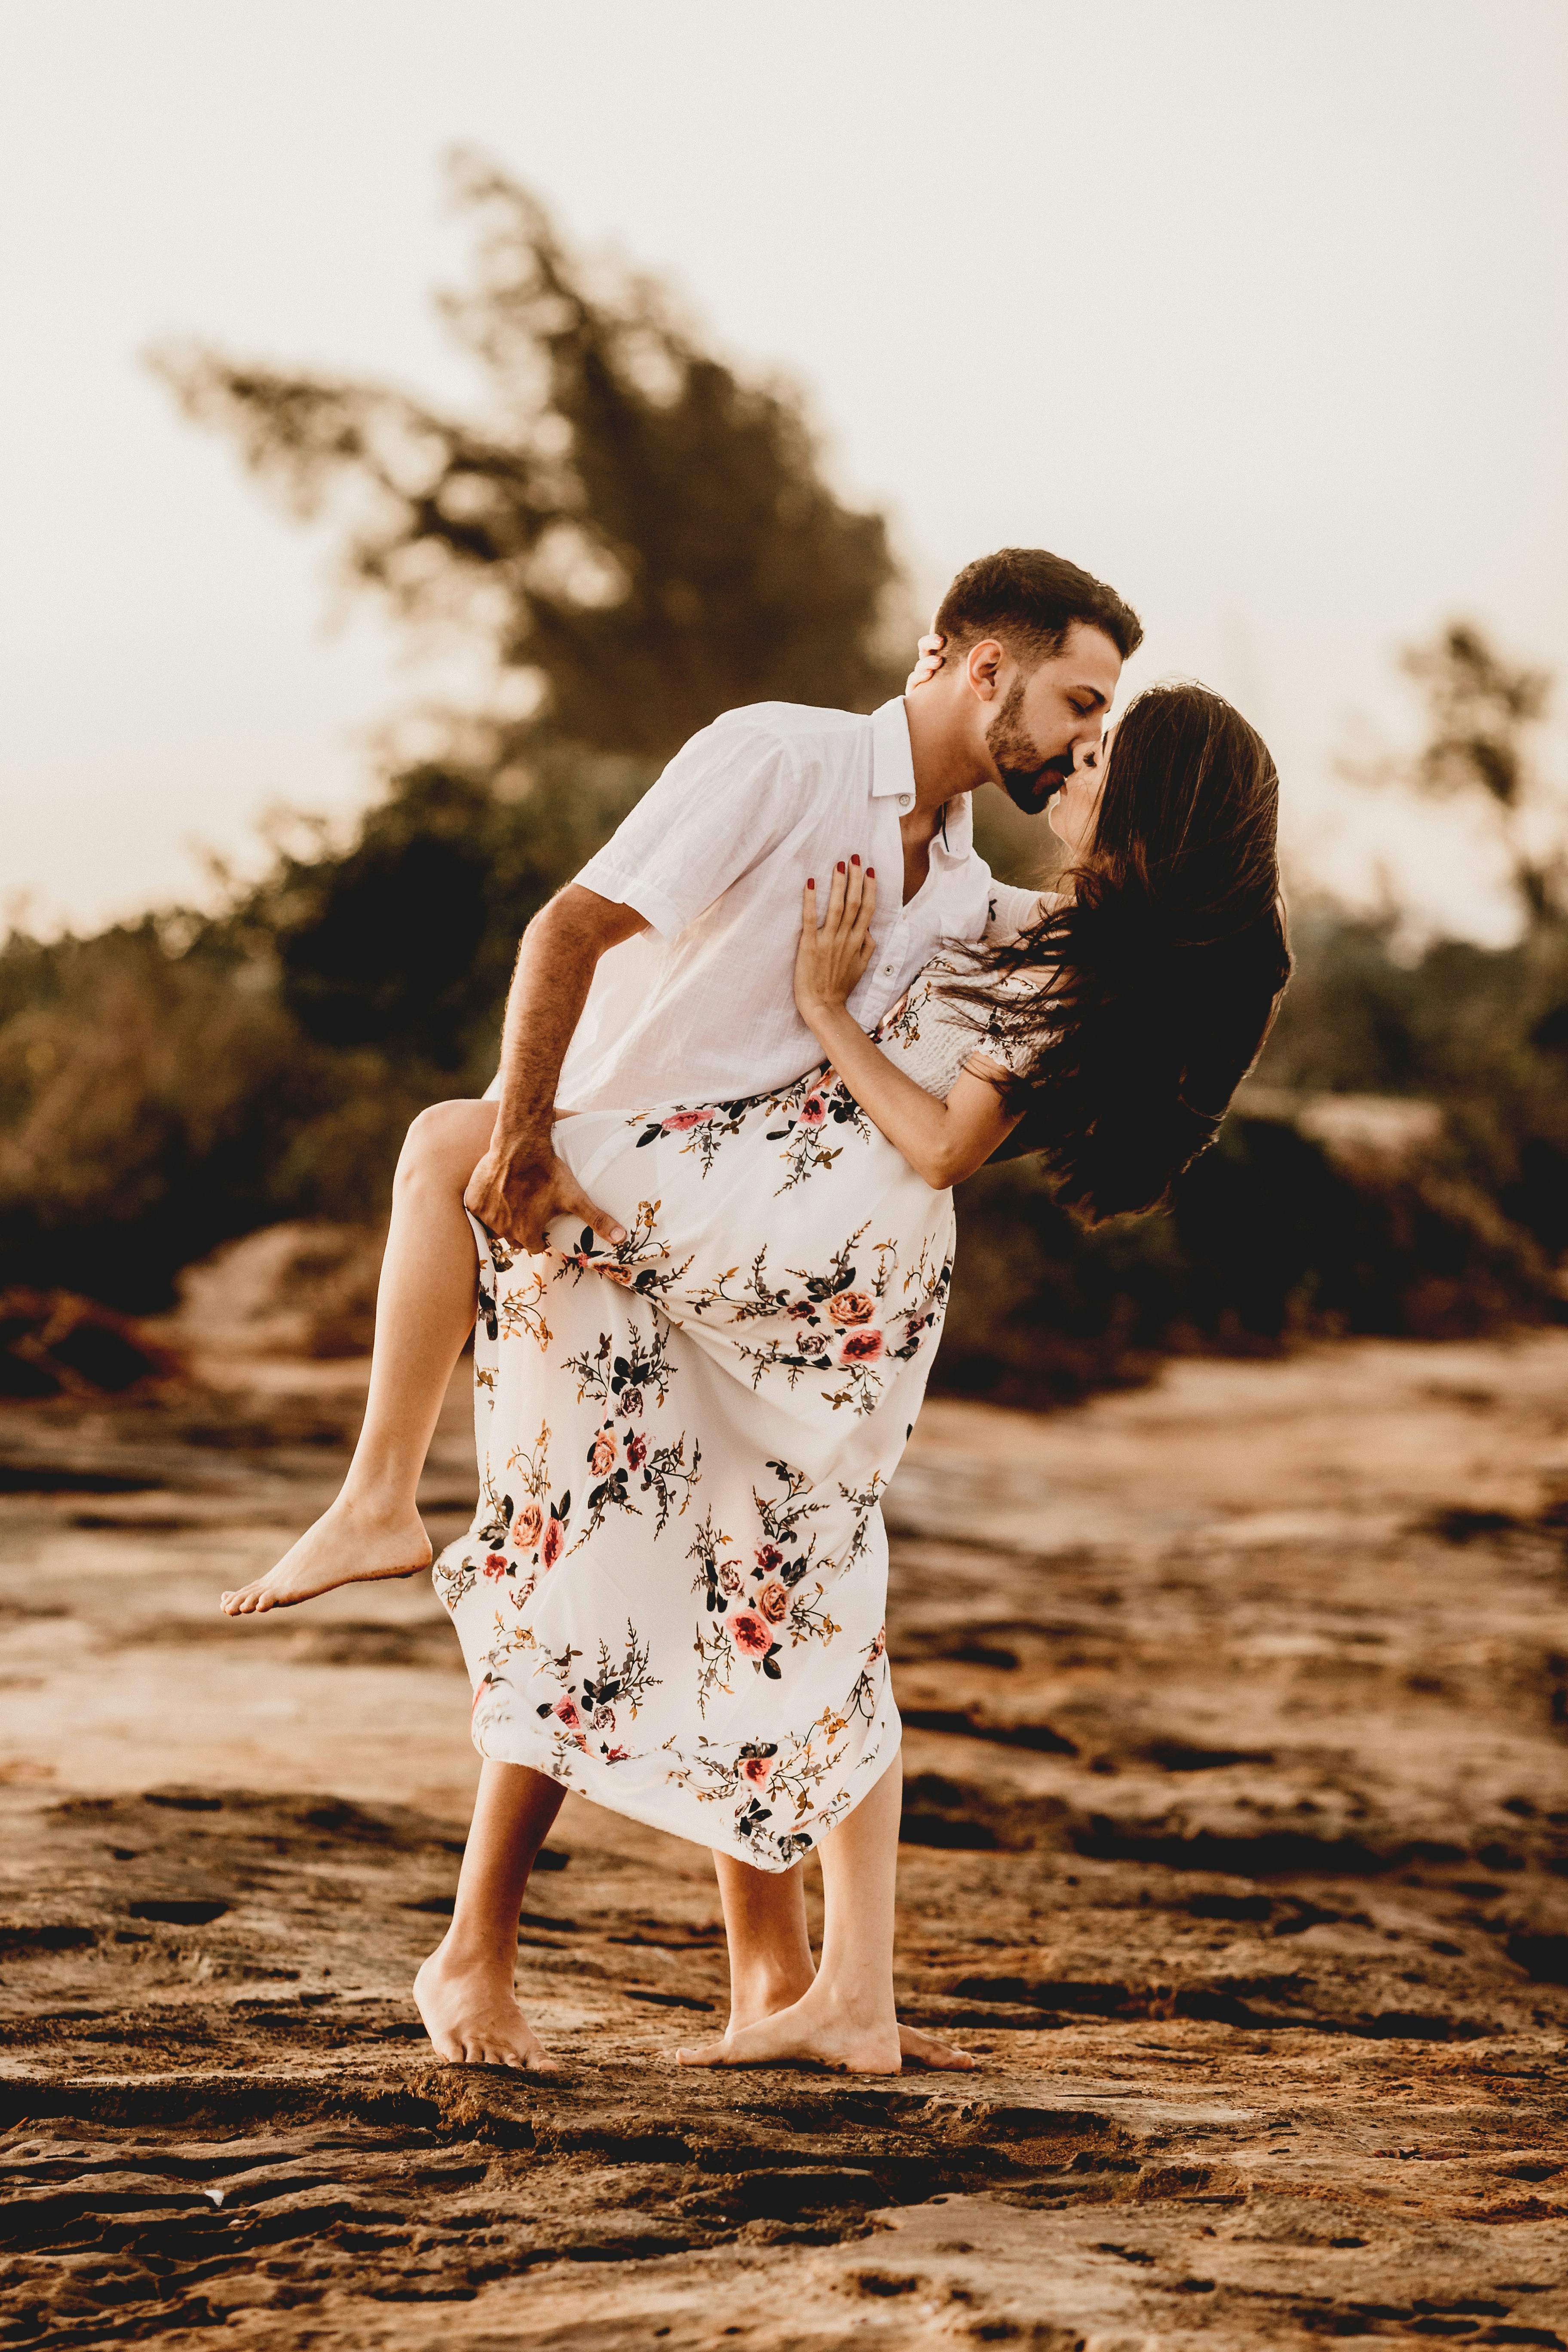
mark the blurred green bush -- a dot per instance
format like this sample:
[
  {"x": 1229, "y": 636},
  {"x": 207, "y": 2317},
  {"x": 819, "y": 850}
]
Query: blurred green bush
[
  {"x": 1267, "y": 1240},
  {"x": 1482, "y": 1032},
  {"x": 168, "y": 1084}
]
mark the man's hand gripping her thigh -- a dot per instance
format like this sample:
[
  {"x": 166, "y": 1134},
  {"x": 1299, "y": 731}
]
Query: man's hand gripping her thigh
[
  {"x": 516, "y": 1196},
  {"x": 521, "y": 1184}
]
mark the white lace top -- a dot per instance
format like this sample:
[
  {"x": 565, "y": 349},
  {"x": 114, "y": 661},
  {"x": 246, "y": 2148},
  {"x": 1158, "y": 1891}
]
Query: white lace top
[{"x": 930, "y": 1039}]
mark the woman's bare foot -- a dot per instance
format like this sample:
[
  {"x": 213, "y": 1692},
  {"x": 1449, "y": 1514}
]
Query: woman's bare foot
[
  {"x": 351, "y": 1543},
  {"x": 813, "y": 2030},
  {"x": 472, "y": 2019}
]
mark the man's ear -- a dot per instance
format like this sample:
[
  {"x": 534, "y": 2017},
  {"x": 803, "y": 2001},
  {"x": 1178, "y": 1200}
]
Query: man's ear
[{"x": 982, "y": 666}]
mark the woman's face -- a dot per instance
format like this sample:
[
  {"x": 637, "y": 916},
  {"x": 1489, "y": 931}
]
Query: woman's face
[{"x": 1073, "y": 807}]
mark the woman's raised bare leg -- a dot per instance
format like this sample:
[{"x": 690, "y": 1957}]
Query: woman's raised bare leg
[
  {"x": 424, "y": 1312},
  {"x": 846, "y": 2017}
]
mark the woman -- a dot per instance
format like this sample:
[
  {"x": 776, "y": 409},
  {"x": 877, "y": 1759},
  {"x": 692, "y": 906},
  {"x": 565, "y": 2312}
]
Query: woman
[{"x": 671, "y": 1598}]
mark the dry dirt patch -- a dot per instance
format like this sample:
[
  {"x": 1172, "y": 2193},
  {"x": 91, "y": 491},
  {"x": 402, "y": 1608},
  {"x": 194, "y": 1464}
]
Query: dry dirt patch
[{"x": 1237, "y": 1800}]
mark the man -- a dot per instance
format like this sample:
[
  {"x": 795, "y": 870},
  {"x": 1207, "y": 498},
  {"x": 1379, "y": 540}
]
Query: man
[{"x": 663, "y": 974}]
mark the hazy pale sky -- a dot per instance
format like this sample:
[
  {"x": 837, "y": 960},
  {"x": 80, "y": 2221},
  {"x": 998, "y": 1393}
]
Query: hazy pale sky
[{"x": 1259, "y": 312}]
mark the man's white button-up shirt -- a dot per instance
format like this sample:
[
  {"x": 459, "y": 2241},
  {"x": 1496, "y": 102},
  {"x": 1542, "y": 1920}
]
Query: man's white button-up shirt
[{"x": 699, "y": 1007}]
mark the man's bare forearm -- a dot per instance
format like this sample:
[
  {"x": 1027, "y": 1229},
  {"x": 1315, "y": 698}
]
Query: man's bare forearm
[
  {"x": 554, "y": 971},
  {"x": 520, "y": 1184},
  {"x": 550, "y": 985}
]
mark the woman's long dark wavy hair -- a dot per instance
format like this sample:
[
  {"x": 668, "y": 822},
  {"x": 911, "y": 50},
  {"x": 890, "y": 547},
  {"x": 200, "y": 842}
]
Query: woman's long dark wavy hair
[{"x": 1164, "y": 965}]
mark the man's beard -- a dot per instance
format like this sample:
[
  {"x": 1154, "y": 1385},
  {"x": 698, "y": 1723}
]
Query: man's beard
[{"x": 1027, "y": 780}]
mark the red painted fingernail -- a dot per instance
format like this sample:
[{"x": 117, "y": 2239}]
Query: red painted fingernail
[
  {"x": 811, "y": 882},
  {"x": 854, "y": 860},
  {"x": 841, "y": 866},
  {"x": 871, "y": 873}
]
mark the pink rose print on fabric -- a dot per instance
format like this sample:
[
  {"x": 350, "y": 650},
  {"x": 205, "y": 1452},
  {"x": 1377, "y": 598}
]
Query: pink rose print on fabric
[
  {"x": 750, "y": 1636},
  {"x": 851, "y": 1306},
  {"x": 568, "y": 1468}
]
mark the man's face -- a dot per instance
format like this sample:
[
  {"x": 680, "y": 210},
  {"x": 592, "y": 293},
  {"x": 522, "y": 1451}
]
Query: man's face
[{"x": 1051, "y": 718}]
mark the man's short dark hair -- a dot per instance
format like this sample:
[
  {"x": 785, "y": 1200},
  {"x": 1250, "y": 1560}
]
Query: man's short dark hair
[{"x": 1028, "y": 600}]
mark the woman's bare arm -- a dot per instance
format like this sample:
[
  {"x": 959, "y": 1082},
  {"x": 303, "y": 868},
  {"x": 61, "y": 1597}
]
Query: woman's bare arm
[{"x": 942, "y": 1142}]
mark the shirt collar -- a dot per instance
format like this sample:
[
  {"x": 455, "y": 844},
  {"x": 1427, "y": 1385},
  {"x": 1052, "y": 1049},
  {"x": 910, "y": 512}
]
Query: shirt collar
[
  {"x": 893, "y": 777},
  {"x": 954, "y": 837},
  {"x": 892, "y": 760}
]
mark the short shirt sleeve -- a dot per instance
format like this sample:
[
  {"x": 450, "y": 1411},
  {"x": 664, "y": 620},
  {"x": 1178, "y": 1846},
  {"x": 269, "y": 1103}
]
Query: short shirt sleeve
[
  {"x": 727, "y": 799},
  {"x": 1011, "y": 910}
]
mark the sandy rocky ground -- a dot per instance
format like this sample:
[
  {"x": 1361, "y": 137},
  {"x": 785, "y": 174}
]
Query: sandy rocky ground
[{"x": 1233, "y": 1848}]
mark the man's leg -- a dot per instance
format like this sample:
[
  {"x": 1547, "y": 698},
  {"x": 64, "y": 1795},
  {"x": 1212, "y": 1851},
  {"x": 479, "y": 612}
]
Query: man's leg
[
  {"x": 424, "y": 1312},
  {"x": 771, "y": 1963},
  {"x": 845, "y": 2019},
  {"x": 464, "y": 1991}
]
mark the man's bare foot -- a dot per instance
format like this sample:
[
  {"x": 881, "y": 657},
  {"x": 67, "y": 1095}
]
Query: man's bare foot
[
  {"x": 919, "y": 2049},
  {"x": 811, "y": 2030},
  {"x": 472, "y": 2019},
  {"x": 350, "y": 1544},
  {"x": 753, "y": 2002}
]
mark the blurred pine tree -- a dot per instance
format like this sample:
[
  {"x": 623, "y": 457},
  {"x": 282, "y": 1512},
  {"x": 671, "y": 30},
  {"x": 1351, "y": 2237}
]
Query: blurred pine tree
[{"x": 640, "y": 537}]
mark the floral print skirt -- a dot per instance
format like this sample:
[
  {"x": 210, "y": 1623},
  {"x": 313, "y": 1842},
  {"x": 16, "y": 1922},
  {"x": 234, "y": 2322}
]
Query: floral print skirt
[{"x": 672, "y": 1595}]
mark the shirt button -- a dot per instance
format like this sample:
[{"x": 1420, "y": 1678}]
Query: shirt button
[
  {"x": 887, "y": 967},
  {"x": 906, "y": 800}
]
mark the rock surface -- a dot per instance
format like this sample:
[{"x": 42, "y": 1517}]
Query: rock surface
[
  {"x": 1238, "y": 1717},
  {"x": 305, "y": 1288}
]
